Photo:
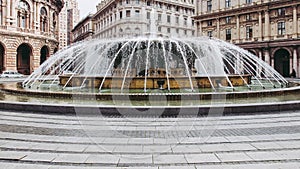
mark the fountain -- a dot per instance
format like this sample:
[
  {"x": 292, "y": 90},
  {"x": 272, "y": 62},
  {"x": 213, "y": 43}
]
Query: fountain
[
  {"x": 141, "y": 65},
  {"x": 176, "y": 74}
]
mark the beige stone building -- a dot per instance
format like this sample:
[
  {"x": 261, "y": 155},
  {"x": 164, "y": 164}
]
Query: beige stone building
[
  {"x": 268, "y": 28},
  {"x": 84, "y": 30},
  {"x": 122, "y": 18},
  {"x": 28, "y": 33},
  {"x": 68, "y": 19}
]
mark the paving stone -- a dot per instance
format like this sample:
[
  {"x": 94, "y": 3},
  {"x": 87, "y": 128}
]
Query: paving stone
[
  {"x": 213, "y": 147},
  {"x": 135, "y": 159},
  {"x": 240, "y": 146},
  {"x": 12, "y": 155},
  {"x": 128, "y": 149},
  {"x": 157, "y": 149},
  {"x": 45, "y": 157},
  {"x": 100, "y": 148},
  {"x": 140, "y": 141},
  {"x": 266, "y": 145},
  {"x": 186, "y": 148},
  {"x": 169, "y": 159},
  {"x": 103, "y": 159},
  {"x": 72, "y": 147},
  {"x": 71, "y": 158},
  {"x": 201, "y": 158},
  {"x": 233, "y": 157},
  {"x": 264, "y": 156}
]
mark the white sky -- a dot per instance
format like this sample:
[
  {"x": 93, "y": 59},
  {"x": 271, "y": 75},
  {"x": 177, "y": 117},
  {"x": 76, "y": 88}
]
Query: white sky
[{"x": 87, "y": 6}]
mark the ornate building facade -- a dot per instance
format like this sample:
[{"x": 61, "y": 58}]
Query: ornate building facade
[
  {"x": 28, "y": 33},
  {"x": 270, "y": 29},
  {"x": 121, "y": 18}
]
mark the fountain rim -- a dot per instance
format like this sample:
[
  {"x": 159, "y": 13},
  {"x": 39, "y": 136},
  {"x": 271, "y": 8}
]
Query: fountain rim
[
  {"x": 249, "y": 108},
  {"x": 144, "y": 96}
]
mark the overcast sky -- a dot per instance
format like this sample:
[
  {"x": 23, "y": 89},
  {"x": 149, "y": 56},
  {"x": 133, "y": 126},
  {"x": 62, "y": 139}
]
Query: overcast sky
[{"x": 87, "y": 6}]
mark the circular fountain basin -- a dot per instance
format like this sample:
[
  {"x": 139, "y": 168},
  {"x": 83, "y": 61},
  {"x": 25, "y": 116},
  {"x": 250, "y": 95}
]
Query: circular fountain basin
[{"x": 230, "y": 102}]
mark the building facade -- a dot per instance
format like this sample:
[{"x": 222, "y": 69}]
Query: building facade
[
  {"x": 123, "y": 18},
  {"x": 68, "y": 18},
  {"x": 270, "y": 29},
  {"x": 28, "y": 33},
  {"x": 84, "y": 30}
]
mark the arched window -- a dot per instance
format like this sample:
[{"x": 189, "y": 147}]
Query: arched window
[
  {"x": 23, "y": 14},
  {"x": 54, "y": 21},
  {"x": 43, "y": 20}
]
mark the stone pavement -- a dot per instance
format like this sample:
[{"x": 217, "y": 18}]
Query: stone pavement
[{"x": 58, "y": 141}]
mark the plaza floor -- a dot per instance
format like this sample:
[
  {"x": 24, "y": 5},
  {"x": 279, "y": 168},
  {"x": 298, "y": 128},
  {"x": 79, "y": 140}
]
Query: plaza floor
[{"x": 29, "y": 140}]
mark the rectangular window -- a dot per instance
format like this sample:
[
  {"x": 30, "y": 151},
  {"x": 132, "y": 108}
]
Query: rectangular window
[
  {"x": 127, "y": 1},
  {"x": 228, "y": 34},
  {"x": 159, "y": 29},
  {"x": 127, "y": 13},
  {"x": 281, "y": 28},
  {"x": 148, "y": 15},
  {"x": 121, "y": 14},
  {"x": 185, "y": 21},
  {"x": 177, "y": 20},
  {"x": 177, "y": 31},
  {"x": 248, "y": 17},
  {"x": 137, "y": 13},
  {"x": 209, "y": 23},
  {"x": 249, "y": 32},
  {"x": 159, "y": 17},
  {"x": 227, "y": 3},
  {"x": 209, "y": 6},
  {"x": 168, "y": 18},
  {"x": 209, "y": 34},
  {"x": 137, "y": 1},
  {"x": 169, "y": 30},
  {"x": 228, "y": 19},
  {"x": 248, "y": 1},
  {"x": 185, "y": 32},
  {"x": 281, "y": 11}
]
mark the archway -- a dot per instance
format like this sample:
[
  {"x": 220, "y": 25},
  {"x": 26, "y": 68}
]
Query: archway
[
  {"x": 282, "y": 62},
  {"x": 44, "y": 54},
  {"x": 2, "y": 52},
  {"x": 24, "y": 53}
]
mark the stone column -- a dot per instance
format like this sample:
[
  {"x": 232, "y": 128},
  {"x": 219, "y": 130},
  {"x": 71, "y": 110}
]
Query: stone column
[
  {"x": 295, "y": 61},
  {"x": 11, "y": 60},
  {"x": 267, "y": 56},
  {"x": 13, "y": 12},
  {"x": 199, "y": 29},
  {"x": 260, "y": 26},
  {"x": 295, "y": 22},
  {"x": 238, "y": 37},
  {"x": 218, "y": 28},
  {"x": 267, "y": 26},
  {"x": 7, "y": 8},
  {"x": 259, "y": 68}
]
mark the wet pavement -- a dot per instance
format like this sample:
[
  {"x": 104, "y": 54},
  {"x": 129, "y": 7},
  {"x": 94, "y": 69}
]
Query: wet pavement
[{"x": 32, "y": 140}]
